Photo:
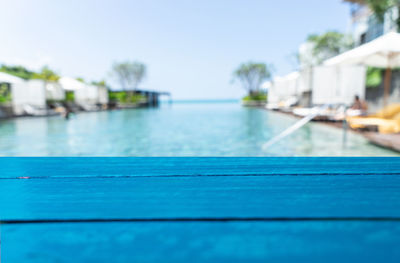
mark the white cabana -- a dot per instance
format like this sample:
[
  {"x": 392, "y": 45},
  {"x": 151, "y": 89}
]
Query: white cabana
[
  {"x": 283, "y": 88},
  {"x": 289, "y": 87},
  {"x": 28, "y": 94},
  {"x": 383, "y": 52},
  {"x": 91, "y": 95},
  {"x": 304, "y": 81},
  {"x": 54, "y": 91},
  {"x": 103, "y": 95},
  {"x": 328, "y": 85},
  {"x": 13, "y": 83},
  {"x": 86, "y": 95},
  {"x": 289, "y": 84},
  {"x": 70, "y": 84},
  {"x": 337, "y": 85}
]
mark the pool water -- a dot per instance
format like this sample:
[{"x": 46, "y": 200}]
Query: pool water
[{"x": 198, "y": 129}]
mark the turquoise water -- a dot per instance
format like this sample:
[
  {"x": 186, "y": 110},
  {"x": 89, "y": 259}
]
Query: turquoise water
[{"x": 184, "y": 129}]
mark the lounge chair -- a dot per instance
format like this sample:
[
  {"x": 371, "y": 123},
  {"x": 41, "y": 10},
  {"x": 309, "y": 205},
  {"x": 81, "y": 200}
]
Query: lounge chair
[{"x": 386, "y": 120}]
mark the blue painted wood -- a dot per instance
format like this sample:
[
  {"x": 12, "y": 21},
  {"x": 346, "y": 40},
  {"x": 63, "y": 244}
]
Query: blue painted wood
[
  {"x": 111, "y": 167},
  {"x": 203, "y": 242},
  {"x": 224, "y": 196},
  {"x": 104, "y": 188}
]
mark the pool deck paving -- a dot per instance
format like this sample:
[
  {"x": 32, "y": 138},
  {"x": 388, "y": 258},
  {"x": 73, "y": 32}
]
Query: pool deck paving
[{"x": 390, "y": 141}]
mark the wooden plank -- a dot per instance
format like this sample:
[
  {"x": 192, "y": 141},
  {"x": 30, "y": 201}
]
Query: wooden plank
[
  {"x": 112, "y": 167},
  {"x": 202, "y": 242},
  {"x": 201, "y": 196},
  {"x": 360, "y": 189}
]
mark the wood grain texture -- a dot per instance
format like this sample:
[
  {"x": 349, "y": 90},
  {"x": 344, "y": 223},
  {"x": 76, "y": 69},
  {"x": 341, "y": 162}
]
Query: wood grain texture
[
  {"x": 192, "y": 166},
  {"x": 190, "y": 188}
]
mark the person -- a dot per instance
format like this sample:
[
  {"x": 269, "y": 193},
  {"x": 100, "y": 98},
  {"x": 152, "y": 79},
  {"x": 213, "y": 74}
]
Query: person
[
  {"x": 360, "y": 105},
  {"x": 67, "y": 113}
]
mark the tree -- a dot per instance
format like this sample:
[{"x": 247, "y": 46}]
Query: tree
[
  {"x": 330, "y": 43},
  {"x": 101, "y": 83},
  {"x": 251, "y": 75},
  {"x": 47, "y": 75},
  {"x": 380, "y": 7},
  {"x": 129, "y": 74},
  {"x": 325, "y": 46},
  {"x": 80, "y": 79},
  {"x": 18, "y": 71}
]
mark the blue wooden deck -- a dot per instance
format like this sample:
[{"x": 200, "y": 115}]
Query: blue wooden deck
[{"x": 200, "y": 209}]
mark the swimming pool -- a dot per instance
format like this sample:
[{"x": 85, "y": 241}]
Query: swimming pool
[{"x": 182, "y": 129}]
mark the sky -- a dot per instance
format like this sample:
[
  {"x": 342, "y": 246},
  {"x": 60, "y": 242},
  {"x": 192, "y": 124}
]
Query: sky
[{"x": 190, "y": 47}]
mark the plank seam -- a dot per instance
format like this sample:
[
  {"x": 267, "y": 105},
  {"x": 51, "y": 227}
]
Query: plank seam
[{"x": 202, "y": 219}]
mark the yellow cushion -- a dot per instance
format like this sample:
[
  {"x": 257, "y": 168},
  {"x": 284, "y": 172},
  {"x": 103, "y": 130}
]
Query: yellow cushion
[
  {"x": 390, "y": 127},
  {"x": 384, "y": 125},
  {"x": 396, "y": 117},
  {"x": 388, "y": 112}
]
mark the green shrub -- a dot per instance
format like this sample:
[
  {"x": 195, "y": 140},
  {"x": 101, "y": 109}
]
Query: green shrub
[
  {"x": 259, "y": 96},
  {"x": 18, "y": 71},
  {"x": 374, "y": 77},
  {"x": 5, "y": 94},
  {"x": 69, "y": 96},
  {"x": 123, "y": 97},
  {"x": 5, "y": 99}
]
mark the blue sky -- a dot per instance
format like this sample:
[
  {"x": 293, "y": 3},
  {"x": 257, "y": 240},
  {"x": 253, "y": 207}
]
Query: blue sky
[{"x": 190, "y": 47}]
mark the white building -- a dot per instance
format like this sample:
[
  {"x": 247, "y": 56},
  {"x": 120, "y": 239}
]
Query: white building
[{"x": 366, "y": 27}]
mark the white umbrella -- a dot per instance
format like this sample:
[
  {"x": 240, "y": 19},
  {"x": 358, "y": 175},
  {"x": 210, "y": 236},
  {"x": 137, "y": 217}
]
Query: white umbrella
[{"x": 383, "y": 52}]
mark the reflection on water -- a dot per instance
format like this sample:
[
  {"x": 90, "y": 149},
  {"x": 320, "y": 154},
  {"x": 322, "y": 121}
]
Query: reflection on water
[{"x": 224, "y": 129}]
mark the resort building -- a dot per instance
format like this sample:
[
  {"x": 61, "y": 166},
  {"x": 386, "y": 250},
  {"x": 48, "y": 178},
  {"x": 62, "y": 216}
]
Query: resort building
[{"x": 365, "y": 25}]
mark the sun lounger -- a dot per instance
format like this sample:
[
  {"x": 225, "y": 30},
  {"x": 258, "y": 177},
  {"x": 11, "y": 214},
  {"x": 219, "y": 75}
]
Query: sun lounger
[
  {"x": 386, "y": 120},
  {"x": 34, "y": 111}
]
